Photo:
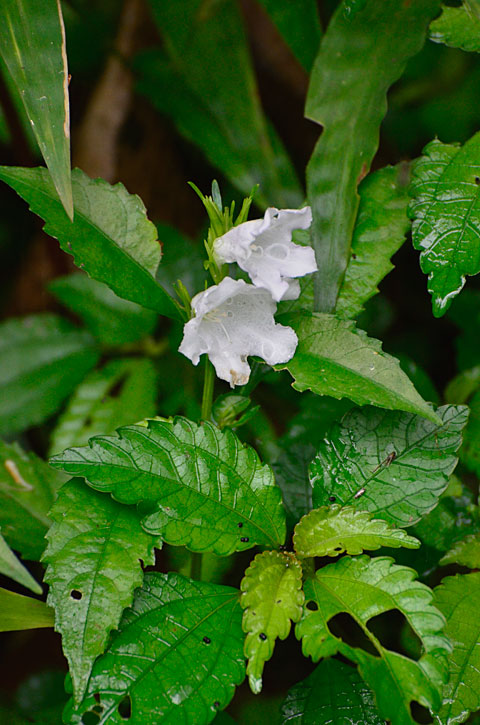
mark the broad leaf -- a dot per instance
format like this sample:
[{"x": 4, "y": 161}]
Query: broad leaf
[
  {"x": 27, "y": 492},
  {"x": 334, "y": 358},
  {"x": 393, "y": 464},
  {"x": 19, "y": 612},
  {"x": 199, "y": 487},
  {"x": 350, "y": 104},
  {"x": 458, "y": 28},
  {"x": 95, "y": 551},
  {"x": 332, "y": 531},
  {"x": 446, "y": 217},
  {"x": 465, "y": 552},
  {"x": 180, "y": 644},
  {"x": 42, "y": 359},
  {"x": 299, "y": 25},
  {"x": 32, "y": 45},
  {"x": 457, "y": 597},
  {"x": 110, "y": 237},
  {"x": 364, "y": 588},
  {"x": 272, "y": 598},
  {"x": 379, "y": 232},
  {"x": 10, "y": 566},
  {"x": 334, "y": 690},
  {"x": 123, "y": 391}
]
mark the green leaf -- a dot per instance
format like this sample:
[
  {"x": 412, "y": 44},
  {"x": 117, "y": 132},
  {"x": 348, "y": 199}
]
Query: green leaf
[
  {"x": 32, "y": 45},
  {"x": 272, "y": 598},
  {"x": 27, "y": 492},
  {"x": 42, "y": 359},
  {"x": 199, "y": 487},
  {"x": 94, "y": 555},
  {"x": 123, "y": 391},
  {"x": 180, "y": 644},
  {"x": 365, "y": 588},
  {"x": 379, "y": 232},
  {"x": 457, "y": 597},
  {"x": 299, "y": 25},
  {"x": 393, "y": 464},
  {"x": 332, "y": 531},
  {"x": 19, "y": 612},
  {"x": 465, "y": 552},
  {"x": 446, "y": 217},
  {"x": 334, "y": 690},
  {"x": 112, "y": 320},
  {"x": 458, "y": 28},
  {"x": 334, "y": 358},
  {"x": 10, "y": 566},
  {"x": 182, "y": 260},
  {"x": 350, "y": 104},
  {"x": 291, "y": 474},
  {"x": 110, "y": 237}
]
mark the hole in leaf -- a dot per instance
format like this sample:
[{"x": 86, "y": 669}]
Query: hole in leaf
[
  {"x": 75, "y": 594},
  {"x": 346, "y": 628},
  {"x": 90, "y": 718},
  {"x": 332, "y": 499},
  {"x": 394, "y": 632},
  {"x": 420, "y": 714},
  {"x": 312, "y": 605},
  {"x": 125, "y": 708}
]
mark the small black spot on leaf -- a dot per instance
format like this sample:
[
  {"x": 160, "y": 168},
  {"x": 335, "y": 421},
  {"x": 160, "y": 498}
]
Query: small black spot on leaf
[
  {"x": 477, "y": 180},
  {"x": 75, "y": 594},
  {"x": 262, "y": 636},
  {"x": 244, "y": 539},
  {"x": 332, "y": 499},
  {"x": 240, "y": 525},
  {"x": 312, "y": 605},
  {"x": 207, "y": 640}
]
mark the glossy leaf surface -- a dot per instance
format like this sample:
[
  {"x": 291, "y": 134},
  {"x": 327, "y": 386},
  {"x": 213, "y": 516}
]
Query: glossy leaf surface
[
  {"x": 458, "y": 28},
  {"x": 18, "y": 612},
  {"x": 10, "y": 566}
]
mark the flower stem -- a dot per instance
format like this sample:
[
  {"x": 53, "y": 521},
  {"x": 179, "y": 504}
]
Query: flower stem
[{"x": 208, "y": 384}]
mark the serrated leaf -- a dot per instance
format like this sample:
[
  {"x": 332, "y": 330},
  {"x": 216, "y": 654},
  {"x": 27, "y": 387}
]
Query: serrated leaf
[
  {"x": 364, "y": 588},
  {"x": 181, "y": 644},
  {"x": 333, "y": 690},
  {"x": 332, "y": 531},
  {"x": 458, "y": 28},
  {"x": 457, "y": 597},
  {"x": 123, "y": 391},
  {"x": 299, "y": 26},
  {"x": 379, "y": 232},
  {"x": 334, "y": 358},
  {"x": 199, "y": 487},
  {"x": 42, "y": 359},
  {"x": 110, "y": 236},
  {"x": 27, "y": 491},
  {"x": 10, "y": 566},
  {"x": 446, "y": 217},
  {"x": 18, "y": 612},
  {"x": 272, "y": 598},
  {"x": 465, "y": 552},
  {"x": 94, "y": 555},
  {"x": 393, "y": 464}
]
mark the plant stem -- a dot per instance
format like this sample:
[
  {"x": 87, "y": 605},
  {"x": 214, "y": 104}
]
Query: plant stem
[{"x": 208, "y": 384}]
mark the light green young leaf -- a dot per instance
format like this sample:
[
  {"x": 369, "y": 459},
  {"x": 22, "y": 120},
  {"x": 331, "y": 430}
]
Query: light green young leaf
[
  {"x": 199, "y": 487},
  {"x": 32, "y": 45},
  {"x": 299, "y": 25},
  {"x": 332, "y": 531},
  {"x": 180, "y": 644},
  {"x": 18, "y": 612},
  {"x": 458, "y": 28},
  {"x": 334, "y": 358},
  {"x": 365, "y": 588},
  {"x": 94, "y": 556},
  {"x": 393, "y": 464},
  {"x": 110, "y": 237},
  {"x": 10, "y": 566},
  {"x": 465, "y": 552},
  {"x": 42, "y": 359},
  {"x": 457, "y": 597},
  {"x": 446, "y": 217},
  {"x": 272, "y": 598}
]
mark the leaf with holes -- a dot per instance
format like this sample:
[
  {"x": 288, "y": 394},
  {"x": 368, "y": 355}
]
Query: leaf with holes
[
  {"x": 181, "y": 644},
  {"x": 364, "y": 588},
  {"x": 94, "y": 557},
  {"x": 198, "y": 486},
  {"x": 446, "y": 217},
  {"x": 393, "y": 464},
  {"x": 272, "y": 598},
  {"x": 457, "y": 597},
  {"x": 458, "y": 27},
  {"x": 465, "y": 552},
  {"x": 332, "y": 531},
  {"x": 10, "y": 566}
]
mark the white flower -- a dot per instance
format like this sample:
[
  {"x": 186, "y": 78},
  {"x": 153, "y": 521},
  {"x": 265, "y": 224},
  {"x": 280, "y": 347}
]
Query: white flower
[
  {"x": 264, "y": 249},
  {"x": 233, "y": 320}
]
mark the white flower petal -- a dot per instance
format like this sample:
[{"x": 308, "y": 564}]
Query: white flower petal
[{"x": 233, "y": 320}]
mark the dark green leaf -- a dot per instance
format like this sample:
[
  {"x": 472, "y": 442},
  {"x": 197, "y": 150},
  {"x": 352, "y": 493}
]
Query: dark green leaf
[
  {"x": 182, "y": 260},
  {"x": 10, "y": 566},
  {"x": 466, "y": 388},
  {"x": 291, "y": 474},
  {"x": 19, "y": 612},
  {"x": 299, "y": 25},
  {"x": 458, "y": 28},
  {"x": 465, "y": 552}
]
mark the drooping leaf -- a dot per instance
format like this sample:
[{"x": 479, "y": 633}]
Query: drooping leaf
[
  {"x": 272, "y": 599},
  {"x": 27, "y": 492},
  {"x": 332, "y": 531},
  {"x": 334, "y": 358},
  {"x": 112, "y": 320},
  {"x": 94, "y": 555},
  {"x": 42, "y": 359},
  {"x": 199, "y": 487},
  {"x": 19, "y": 612},
  {"x": 299, "y": 25},
  {"x": 334, "y": 690},
  {"x": 364, "y": 588},
  {"x": 465, "y": 552},
  {"x": 393, "y": 464},
  {"x": 350, "y": 105},
  {"x": 10, "y": 566},
  {"x": 32, "y": 45},
  {"x": 181, "y": 644},
  {"x": 123, "y": 391},
  {"x": 446, "y": 217},
  {"x": 457, "y": 598},
  {"x": 458, "y": 28},
  {"x": 110, "y": 237},
  {"x": 379, "y": 232}
]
